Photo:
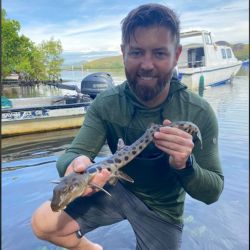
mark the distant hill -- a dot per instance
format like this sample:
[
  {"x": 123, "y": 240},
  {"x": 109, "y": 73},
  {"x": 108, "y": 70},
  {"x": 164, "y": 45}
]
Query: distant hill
[
  {"x": 112, "y": 62},
  {"x": 241, "y": 50},
  {"x": 78, "y": 58}
]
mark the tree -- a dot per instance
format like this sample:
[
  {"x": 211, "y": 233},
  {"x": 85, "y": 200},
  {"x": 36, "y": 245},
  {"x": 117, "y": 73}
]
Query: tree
[
  {"x": 10, "y": 43},
  {"x": 20, "y": 54},
  {"x": 53, "y": 61}
]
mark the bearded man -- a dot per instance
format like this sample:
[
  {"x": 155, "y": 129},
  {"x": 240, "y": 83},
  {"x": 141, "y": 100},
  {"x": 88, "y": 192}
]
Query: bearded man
[{"x": 166, "y": 170}]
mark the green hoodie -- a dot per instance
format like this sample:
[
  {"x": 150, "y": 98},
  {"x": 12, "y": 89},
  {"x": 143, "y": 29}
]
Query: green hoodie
[{"x": 116, "y": 113}]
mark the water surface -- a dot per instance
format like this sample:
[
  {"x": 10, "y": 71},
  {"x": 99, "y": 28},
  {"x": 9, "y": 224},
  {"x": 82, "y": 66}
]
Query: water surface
[{"x": 28, "y": 164}]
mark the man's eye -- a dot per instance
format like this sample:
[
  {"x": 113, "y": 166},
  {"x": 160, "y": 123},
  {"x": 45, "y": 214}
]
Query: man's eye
[
  {"x": 135, "y": 53},
  {"x": 160, "y": 54}
]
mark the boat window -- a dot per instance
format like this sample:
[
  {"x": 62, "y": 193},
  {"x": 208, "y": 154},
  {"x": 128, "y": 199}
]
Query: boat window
[
  {"x": 194, "y": 40},
  {"x": 223, "y": 53},
  {"x": 195, "y": 57},
  {"x": 229, "y": 53},
  {"x": 208, "y": 39}
]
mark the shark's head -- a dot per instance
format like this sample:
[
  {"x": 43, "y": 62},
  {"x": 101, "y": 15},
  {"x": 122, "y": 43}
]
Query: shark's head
[{"x": 69, "y": 189}]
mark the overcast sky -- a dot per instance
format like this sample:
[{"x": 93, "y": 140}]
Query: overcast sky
[{"x": 94, "y": 25}]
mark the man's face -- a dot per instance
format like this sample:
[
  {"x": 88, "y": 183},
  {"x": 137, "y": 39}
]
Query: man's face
[{"x": 149, "y": 60}]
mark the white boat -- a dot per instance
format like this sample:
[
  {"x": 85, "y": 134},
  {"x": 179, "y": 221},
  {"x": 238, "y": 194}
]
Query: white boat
[
  {"x": 203, "y": 62},
  {"x": 40, "y": 114}
]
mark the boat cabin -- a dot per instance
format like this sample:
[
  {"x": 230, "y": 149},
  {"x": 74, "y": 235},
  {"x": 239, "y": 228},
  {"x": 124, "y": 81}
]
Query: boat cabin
[
  {"x": 203, "y": 62},
  {"x": 198, "y": 50}
]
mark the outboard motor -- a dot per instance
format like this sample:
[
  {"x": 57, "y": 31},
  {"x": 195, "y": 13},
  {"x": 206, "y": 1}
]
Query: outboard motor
[{"x": 95, "y": 83}]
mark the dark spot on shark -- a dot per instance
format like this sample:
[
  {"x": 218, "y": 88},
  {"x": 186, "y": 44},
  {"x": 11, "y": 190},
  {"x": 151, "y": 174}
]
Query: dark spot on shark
[
  {"x": 117, "y": 160},
  {"x": 91, "y": 170},
  {"x": 126, "y": 158}
]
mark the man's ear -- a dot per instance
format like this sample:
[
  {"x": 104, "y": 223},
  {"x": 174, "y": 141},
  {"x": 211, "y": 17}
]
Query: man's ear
[
  {"x": 123, "y": 52},
  {"x": 177, "y": 53}
]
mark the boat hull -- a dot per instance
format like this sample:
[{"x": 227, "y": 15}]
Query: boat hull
[
  {"x": 213, "y": 76},
  {"x": 12, "y": 128},
  {"x": 27, "y": 120}
]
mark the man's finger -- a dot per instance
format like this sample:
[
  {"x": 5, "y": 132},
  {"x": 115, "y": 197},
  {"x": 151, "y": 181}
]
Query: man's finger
[{"x": 166, "y": 122}]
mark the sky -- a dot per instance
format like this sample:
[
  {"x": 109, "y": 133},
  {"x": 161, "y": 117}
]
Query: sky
[{"x": 94, "y": 25}]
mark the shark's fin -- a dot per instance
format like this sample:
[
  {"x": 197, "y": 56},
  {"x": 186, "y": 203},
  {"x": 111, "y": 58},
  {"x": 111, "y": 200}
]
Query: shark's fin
[
  {"x": 119, "y": 175},
  {"x": 113, "y": 180},
  {"x": 93, "y": 185},
  {"x": 200, "y": 138},
  {"x": 120, "y": 144}
]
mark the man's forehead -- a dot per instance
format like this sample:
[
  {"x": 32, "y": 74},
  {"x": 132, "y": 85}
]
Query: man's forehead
[{"x": 141, "y": 31}]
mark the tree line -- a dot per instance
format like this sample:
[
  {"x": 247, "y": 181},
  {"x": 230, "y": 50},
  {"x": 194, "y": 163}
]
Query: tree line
[{"x": 20, "y": 55}]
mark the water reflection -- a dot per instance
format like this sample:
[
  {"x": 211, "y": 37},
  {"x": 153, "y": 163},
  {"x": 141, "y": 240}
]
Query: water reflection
[
  {"x": 71, "y": 78},
  {"x": 74, "y": 78}
]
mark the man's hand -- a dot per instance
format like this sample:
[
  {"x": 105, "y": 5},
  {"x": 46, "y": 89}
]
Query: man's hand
[
  {"x": 177, "y": 143},
  {"x": 79, "y": 164}
]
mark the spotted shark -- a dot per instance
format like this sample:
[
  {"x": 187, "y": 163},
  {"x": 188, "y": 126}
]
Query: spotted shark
[{"x": 74, "y": 185}]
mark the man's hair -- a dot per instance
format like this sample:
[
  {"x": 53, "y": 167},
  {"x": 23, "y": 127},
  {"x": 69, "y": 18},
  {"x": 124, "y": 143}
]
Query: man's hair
[{"x": 150, "y": 15}]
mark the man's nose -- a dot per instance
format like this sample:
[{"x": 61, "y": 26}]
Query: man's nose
[{"x": 147, "y": 62}]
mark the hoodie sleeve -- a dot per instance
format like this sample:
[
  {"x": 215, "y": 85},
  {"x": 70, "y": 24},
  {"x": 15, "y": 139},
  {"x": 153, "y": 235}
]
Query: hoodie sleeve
[
  {"x": 89, "y": 140},
  {"x": 204, "y": 181}
]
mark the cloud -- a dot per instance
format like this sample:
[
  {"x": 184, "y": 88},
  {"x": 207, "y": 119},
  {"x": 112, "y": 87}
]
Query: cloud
[{"x": 95, "y": 24}]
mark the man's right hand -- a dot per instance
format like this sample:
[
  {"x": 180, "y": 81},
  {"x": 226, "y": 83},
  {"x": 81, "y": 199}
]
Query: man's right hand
[{"x": 79, "y": 165}]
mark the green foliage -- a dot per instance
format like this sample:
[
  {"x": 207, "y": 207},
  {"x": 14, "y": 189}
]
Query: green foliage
[
  {"x": 52, "y": 51},
  {"x": 242, "y": 53},
  {"x": 10, "y": 41},
  {"x": 21, "y": 55}
]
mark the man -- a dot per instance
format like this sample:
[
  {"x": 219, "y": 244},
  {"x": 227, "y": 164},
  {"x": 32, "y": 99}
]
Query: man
[{"x": 165, "y": 170}]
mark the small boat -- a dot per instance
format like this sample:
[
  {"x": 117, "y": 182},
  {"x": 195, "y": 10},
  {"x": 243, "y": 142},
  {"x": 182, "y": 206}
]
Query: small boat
[
  {"x": 40, "y": 114},
  {"x": 203, "y": 62}
]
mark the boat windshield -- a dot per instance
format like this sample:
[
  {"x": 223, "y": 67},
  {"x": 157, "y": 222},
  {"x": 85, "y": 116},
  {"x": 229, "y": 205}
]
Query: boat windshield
[{"x": 191, "y": 40}]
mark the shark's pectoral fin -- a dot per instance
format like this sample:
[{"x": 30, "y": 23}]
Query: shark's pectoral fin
[
  {"x": 113, "y": 180},
  {"x": 95, "y": 186},
  {"x": 122, "y": 175},
  {"x": 119, "y": 175}
]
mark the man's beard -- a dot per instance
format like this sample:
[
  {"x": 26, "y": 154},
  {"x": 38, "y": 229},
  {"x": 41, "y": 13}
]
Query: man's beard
[{"x": 148, "y": 93}]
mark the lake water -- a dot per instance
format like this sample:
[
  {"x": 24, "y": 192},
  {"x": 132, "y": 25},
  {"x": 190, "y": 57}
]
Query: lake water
[
  {"x": 28, "y": 164},
  {"x": 71, "y": 77}
]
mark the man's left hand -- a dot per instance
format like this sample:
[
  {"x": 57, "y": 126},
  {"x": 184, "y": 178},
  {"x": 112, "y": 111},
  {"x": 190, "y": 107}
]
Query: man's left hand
[{"x": 177, "y": 143}]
